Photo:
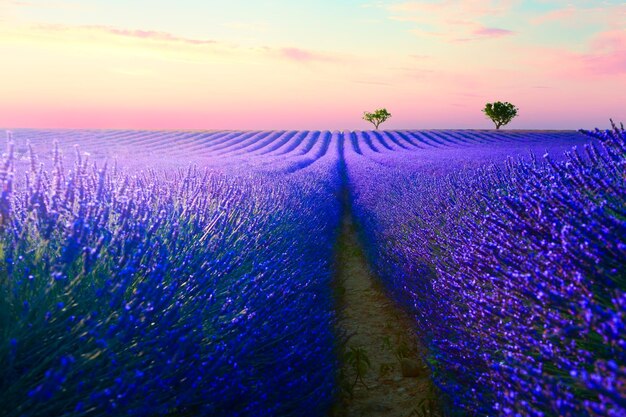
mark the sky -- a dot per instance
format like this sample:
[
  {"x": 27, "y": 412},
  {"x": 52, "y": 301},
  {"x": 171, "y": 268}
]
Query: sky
[{"x": 286, "y": 64}]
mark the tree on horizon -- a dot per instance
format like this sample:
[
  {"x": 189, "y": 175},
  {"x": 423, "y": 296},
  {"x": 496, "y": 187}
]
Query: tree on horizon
[
  {"x": 377, "y": 117},
  {"x": 500, "y": 113}
]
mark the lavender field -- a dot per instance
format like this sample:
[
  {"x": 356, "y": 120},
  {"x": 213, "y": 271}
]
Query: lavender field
[{"x": 149, "y": 273}]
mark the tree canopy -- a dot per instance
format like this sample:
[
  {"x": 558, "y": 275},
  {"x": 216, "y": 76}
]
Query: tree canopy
[
  {"x": 500, "y": 113},
  {"x": 377, "y": 117}
]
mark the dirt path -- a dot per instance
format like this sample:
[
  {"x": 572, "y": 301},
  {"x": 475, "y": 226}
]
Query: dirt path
[{"x": 374, "y": 324}]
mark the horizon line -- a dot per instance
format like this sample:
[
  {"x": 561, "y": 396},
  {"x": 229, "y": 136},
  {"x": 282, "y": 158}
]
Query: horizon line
[{"x": 9, "y": 129}]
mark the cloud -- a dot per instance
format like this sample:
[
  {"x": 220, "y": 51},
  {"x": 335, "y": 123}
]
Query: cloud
[
  {"x": 452, "y": 20},
  {"x": 604, "y": 56},
  {"x": 160, "y": 36},
  {"x": 603, "y": 53},
  {"x": 608, "y": 15},
  {"x": 558, "y": 15},
  {"x": 301, "y": 55},
  {"x": 467, "y": 9},
  {"x": 168, "y": 45},
  {"x": 372, "y": 82},
  {"x": 132, "y": 33},
  {"x": 480, "y": 33},
  {"x": 492, "y": 32},
  {"x": 297, "y": 54},
  {"x": 610, "y": 40},
  {"x": 463, "y": 10}
]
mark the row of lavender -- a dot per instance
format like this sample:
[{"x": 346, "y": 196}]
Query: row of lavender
[
  {"x": 514, "y": 272},
  {"x": 253, "y": 213},
  {"x": 165, "y": 291},
  {"x": 175, "y": 148}
]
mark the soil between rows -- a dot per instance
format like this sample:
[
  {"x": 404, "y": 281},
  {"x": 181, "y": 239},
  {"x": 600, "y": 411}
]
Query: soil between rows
[{"x": 369, "y": 320}]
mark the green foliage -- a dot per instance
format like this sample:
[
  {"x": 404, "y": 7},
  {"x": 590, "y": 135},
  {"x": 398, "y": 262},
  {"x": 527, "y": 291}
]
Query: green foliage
[
  {"x": 385, "y": 369},
  {"x": 377, "y": 117},
  {"x": 357, "y": 358},
  {"x": 403, "y": 350},
  {"x": 429, "y": 405},
  {"x": 500, "y": 113}
]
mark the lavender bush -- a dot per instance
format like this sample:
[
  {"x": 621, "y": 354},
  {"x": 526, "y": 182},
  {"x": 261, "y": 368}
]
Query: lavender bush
[
  {"x": 165, "y": 292},
  {"x": 514, "y": 273},
  {"x": 143, "y": 288}
]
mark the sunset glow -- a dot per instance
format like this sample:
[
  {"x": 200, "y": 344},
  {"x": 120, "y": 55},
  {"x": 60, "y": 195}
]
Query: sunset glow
[{"x": 280, "y": 64}]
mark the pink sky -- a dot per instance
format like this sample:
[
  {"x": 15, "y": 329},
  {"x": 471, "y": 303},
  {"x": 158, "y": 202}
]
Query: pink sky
[{"x": 202, "y": 65}]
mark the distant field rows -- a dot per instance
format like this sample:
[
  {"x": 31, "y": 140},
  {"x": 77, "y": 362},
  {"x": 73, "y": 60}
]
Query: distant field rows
[{"x": 281, "y": 150}]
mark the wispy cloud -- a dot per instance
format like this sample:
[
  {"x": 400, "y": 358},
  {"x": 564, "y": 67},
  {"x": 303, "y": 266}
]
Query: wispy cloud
[
  {"x": 492, "y": 32},
  {"x": 603, "y": 56},
  {"x": 481, "y": 33},
  {"x": 305, "y": 56},
  {"x": 609, "y": 15},
  {"x": 466, "y": 8},
  {"x": 132, "y": 33},
  {"x": 609, "y": 41},
  {"x": 150, "y": 34},
  {"x": 607, "y": 53},
  {"x": 452, "y": 20},
  {"x": 179, "y": 46},
  {"x": 557, "y": 15},
  {"x": 381, "y": 83},
  {"x": 297, "y": 54}
]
